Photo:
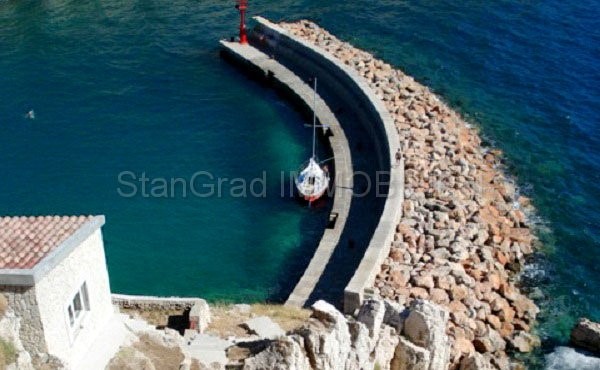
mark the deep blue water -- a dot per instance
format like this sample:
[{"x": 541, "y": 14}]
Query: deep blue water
[{"x": 139, "y": 86}]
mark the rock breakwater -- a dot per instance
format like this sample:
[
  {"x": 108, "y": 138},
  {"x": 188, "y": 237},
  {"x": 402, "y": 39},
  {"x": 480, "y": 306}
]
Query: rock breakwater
[{"x": 464, "y": 234}]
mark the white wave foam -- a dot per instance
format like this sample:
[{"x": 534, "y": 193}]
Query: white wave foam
[
  {"x": 567, "y": 358},
  {"x": 534, "y": 271}
]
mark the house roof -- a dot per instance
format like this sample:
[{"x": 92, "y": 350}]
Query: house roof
[{"x": 27, "y": 243}]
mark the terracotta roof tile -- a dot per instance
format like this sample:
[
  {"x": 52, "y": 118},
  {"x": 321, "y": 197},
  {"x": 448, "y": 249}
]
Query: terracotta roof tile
[{"x": 25, "y": 241}]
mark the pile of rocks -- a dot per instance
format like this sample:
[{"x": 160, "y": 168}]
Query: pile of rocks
[
  {"x": 384, "y": 335},
  {"x": 464, "y": 232}
]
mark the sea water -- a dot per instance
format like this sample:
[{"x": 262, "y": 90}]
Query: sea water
[{"x": 138, "y": 86}]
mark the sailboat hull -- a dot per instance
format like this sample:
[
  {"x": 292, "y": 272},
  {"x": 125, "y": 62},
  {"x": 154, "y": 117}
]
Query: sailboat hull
[
  {"x": 313, "y": 197},
  {"x": 312, "y": 181}
]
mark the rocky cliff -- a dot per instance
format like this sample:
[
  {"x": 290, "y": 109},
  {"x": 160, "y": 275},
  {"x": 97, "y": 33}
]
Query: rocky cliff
[{"x": 384, "y": 335}]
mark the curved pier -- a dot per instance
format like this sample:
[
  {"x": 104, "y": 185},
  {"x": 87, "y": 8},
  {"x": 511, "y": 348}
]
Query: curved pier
[
  {"x": 346, "y": 260},
  {"x": 352, "y": 91},
  {"x": 265, "y": 68}
]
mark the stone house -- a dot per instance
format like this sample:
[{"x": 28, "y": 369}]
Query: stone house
[{"x": 53, "y": 274}]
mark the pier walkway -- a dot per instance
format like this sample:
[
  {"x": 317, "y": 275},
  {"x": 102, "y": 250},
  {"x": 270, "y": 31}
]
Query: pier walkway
[{"x": 265, "y": 67}]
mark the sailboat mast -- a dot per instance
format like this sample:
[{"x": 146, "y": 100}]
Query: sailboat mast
[{"x": 314, "y": 117}]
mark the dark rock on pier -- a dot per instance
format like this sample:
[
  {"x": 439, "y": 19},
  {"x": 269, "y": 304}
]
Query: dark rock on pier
[{"x": 586, "y": 334}]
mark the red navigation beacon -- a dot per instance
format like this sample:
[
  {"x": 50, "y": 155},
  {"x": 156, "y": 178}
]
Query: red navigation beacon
[{"x": 242, "y": 5}]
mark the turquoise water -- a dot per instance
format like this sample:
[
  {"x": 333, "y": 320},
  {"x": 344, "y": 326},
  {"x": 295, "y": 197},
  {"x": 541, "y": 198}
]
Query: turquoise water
[{"x": 139, "y": 87}]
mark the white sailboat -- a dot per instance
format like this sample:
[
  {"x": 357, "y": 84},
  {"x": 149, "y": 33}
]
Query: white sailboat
[{"x": 313, "y": 180}]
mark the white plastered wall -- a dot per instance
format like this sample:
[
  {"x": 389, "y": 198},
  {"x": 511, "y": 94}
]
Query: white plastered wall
[{"x": 57, "y": 288}]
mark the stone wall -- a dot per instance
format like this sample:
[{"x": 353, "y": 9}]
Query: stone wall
[
  {"x": 86, "y": 263},
  {"x": 10, "y": 329},
  {"x": 139, "y": 302},
  {"x": 24, "y": 303}
]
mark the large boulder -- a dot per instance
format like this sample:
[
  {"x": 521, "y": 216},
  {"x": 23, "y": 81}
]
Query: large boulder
[
  {"x": 371, "y": 313},
  {"x": 476, "y": 361},
  {"x": 394, "y": 315},
  {"x": 329, "y": 340},
  {"x": 131, "y": 359},
  {"x": 385, "y": 347},
  {"x": 409, "y": 356},
  {"x": 425, "y": 326},
  {"x": 372, "y": 342},
  {"x": 326, "y": 312},
  {"x": 282, "y": 354},
  {"x": 326, "y": 337},
  {"x": 525, "y": 342},
  {"x": 361, "y": 347},
  {"x": 264, "y": 327},
  {"x": 586, "y": 334}
]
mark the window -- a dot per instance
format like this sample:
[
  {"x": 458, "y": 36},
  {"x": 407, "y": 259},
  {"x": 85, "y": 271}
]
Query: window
[
  {"x": 71, "y": 317},
  {"x": 77, "y": 308},
  {"x": 77, "y": 304},
  {"x": 86, "y": 300}
]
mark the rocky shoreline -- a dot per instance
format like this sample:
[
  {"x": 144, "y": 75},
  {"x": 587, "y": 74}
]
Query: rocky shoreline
[
  {"x": 383, "y": 335},
  {"x": 464, "y": 234}
]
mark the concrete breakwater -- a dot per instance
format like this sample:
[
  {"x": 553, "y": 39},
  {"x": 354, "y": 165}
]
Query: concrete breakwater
[
  {"x": 375, "y": 145},
  {"x": 285, "y": 80},
  {"x": 464, "y": 233}
]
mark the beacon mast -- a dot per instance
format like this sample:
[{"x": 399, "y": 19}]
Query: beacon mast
[{"x": 242, "y": 5}]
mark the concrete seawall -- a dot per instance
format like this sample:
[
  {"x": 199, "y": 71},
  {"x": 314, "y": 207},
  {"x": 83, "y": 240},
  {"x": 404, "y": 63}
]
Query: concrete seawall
[
  {"x": 306, "y": 59},
  {"x": 265, "y": 68}
]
